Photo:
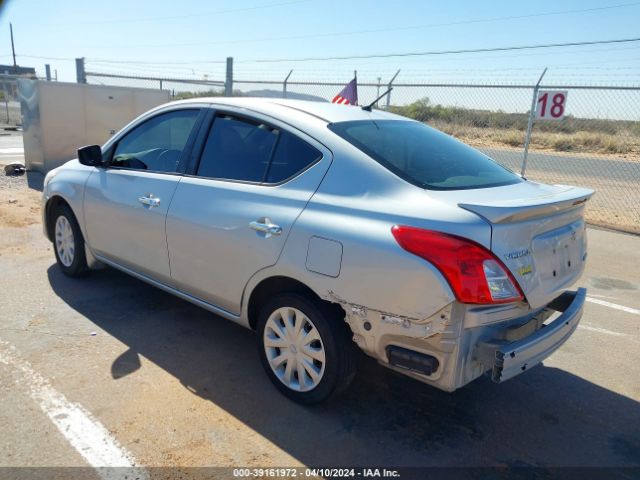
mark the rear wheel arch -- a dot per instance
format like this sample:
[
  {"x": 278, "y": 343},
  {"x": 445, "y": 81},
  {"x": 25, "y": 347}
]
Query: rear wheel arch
[{"x": 275, "y": 285}]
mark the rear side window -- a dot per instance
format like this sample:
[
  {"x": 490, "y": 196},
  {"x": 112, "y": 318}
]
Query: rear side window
[
  {"x": 424, "y": 156},
  {"x": 292, "y": 155},
  {"x": 239, "y": 149}
]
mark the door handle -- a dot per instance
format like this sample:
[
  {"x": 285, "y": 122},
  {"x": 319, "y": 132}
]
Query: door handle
[
  {"x": 149, "y": 200},
  {"x": 264, "y": 225}
]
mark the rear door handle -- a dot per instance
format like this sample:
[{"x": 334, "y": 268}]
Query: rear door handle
[
  {"x": 264, "y": 225},
  {"x": 149, "y": 200}
]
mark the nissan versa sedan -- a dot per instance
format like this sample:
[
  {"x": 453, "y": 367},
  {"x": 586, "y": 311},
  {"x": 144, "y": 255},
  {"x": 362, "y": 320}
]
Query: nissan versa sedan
[{"x": 328, "y": 228}]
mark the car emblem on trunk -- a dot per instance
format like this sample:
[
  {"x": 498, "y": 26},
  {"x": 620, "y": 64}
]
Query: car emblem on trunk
[
  {"x": 526, "y": 270},
  {"x": 517, "y": 254}
]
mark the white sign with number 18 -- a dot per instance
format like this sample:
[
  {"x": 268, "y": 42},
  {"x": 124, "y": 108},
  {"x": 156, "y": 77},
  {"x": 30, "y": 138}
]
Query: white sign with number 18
[{"x": 551, "y": 104}]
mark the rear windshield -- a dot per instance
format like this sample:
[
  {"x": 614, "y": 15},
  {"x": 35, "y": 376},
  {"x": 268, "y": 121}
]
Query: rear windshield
[{"x": 424, "y": 156}]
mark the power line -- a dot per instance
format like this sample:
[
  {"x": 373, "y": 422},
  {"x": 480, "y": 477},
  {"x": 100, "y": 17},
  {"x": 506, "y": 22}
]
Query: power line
[
  {"x": 501, "y": 56},
  {"x": 375, "y": 30},
  {"x": 190, "y": 15},
  {"x": 38, "y": 57},
  {"x": 351, "y": 57},
  {"x": 444, "y": 52}
]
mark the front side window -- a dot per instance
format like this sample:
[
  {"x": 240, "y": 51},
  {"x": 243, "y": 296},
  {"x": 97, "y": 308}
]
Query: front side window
[
  {"x": 156, "y": 144},
  {"x": 424, "y": 156},
  {"x": 252, "y": 151}
]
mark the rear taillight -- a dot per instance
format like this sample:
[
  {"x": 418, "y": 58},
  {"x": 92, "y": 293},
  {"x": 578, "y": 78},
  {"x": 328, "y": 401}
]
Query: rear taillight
[{"x": 473, "y": 272}]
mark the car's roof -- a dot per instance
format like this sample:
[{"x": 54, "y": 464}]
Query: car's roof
[{"x": 277, "y": 107}]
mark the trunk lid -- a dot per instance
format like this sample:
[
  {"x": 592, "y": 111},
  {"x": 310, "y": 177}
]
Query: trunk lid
[{"x": 537, "y": 231}]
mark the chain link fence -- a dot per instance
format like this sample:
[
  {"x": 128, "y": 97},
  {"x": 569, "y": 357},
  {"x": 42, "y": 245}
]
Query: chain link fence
[
  {"x": 9, "y": 102},
  {"x": 596, "y": 144}
]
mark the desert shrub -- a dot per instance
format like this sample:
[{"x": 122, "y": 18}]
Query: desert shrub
[
  {"x": 423, "y": 110},
  {"x": 206, "y": 93}
]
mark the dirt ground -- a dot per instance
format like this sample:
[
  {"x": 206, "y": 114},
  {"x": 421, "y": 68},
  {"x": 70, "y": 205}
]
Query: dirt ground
[{"x": 19, "y": 208}]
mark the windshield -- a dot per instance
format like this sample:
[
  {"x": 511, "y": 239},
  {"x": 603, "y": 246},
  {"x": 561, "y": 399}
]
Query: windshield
[{"x": 424, "y": 156}]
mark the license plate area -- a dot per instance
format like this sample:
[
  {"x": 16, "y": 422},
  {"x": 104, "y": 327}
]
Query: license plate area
[{"x": 559, "y": 253}]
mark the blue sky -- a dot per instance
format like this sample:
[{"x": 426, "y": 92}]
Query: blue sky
[{"x": 177, "y": 38}]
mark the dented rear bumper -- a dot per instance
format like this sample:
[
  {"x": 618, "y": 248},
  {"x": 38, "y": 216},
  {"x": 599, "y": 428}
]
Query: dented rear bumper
[
  {"x": 461, "y": 342},
  {"x": 505, "y": 360}
]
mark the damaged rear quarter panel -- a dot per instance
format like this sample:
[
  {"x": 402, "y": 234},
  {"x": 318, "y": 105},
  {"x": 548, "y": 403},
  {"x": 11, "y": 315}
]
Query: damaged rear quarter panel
[
  {"x": 375, "y": 272},
  {"x": 356, "y": 205}
]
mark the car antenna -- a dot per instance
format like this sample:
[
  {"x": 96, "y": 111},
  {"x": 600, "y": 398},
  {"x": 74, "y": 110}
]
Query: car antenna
[{"x": 370, "y": 106}]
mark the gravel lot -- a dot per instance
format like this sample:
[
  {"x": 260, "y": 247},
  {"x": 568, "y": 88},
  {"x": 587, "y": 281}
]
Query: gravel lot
[{"x": 174, "y": 385}]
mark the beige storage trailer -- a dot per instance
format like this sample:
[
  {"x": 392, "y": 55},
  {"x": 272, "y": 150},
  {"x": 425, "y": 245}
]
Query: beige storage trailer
[{"x": 60, "y": 117}]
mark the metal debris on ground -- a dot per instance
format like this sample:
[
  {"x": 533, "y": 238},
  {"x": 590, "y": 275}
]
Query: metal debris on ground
[{"x": 15, "y": 168}]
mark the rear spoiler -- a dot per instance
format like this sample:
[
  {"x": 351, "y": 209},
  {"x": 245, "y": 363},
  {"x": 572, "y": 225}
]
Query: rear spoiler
[{"x": 528, "y": 208}]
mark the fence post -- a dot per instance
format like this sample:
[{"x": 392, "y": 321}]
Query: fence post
[
  {"x": 81, "y": 76},
  {"x": 389, "y": 88},
  {"x": 47, "y": 70},
  {"x": 228, "y": 84},
  {"x": 284, "y": 84},
  {"x": 532, "y": 114},
  {"x": 160, "y": 84}
]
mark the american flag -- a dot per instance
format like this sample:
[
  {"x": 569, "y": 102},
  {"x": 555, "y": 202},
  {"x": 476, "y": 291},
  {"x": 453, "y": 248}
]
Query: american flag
[{"x": 348, "y": 95}]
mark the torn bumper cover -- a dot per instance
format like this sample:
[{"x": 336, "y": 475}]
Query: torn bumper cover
[{"x": 506, "y": 360}]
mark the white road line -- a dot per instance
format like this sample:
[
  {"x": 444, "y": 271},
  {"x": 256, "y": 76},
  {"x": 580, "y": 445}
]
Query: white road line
[
  {"x": 85, "y": 433},
  {"x": 615, "y": 306},
  {"x": 602, "y": 330},
  {"x": 11, "y": 150},
  {"x": 593, "y": 295}
]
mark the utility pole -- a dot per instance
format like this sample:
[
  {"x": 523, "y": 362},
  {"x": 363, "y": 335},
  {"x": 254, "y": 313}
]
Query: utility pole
[{"x": 13, "y": 50}]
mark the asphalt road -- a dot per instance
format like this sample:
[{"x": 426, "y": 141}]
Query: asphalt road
[
  {"x": 11, "y": 148},
  {"x": 174, "y": 385},
  {"x": 616, "y": 203},
  {"x": 570, "y": 166}
]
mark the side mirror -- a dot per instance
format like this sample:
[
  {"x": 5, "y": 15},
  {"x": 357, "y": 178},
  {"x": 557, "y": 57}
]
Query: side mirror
[{"x": 90, "y": 155}]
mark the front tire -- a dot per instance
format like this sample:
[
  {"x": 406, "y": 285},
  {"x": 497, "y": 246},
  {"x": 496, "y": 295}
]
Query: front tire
[
  {"x": 68, "y": 242},
  {"x": 305, "y": 347}
]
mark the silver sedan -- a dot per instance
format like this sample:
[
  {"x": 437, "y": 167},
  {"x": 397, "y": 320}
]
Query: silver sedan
[{"x": 328, "y": 228}]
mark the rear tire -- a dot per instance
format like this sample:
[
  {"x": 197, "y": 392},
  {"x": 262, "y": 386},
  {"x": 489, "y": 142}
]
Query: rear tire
[
  {"x": 306, "y": 348},
  {"x": 68, "y": 242}
]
